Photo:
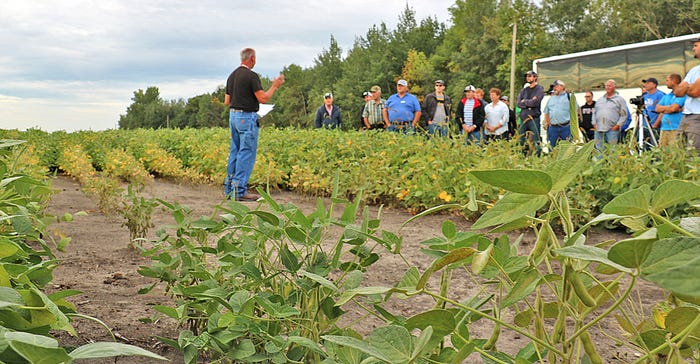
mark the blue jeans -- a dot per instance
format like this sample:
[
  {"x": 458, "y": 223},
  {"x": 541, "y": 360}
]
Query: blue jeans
[
  {"x": 473, "y": 137},
  {"x": 610, "y": 137},
  {"x": 244, "y": 146},
  {"x": 532, "y": 126},
  {"x": 402, "y": 128},
  {"x": 435, "y": 128},
  {"x": 558, "y": 132}
]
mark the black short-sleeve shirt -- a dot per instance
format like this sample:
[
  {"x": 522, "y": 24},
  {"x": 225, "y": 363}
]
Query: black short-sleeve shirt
[{"x": 241, "y": 86}]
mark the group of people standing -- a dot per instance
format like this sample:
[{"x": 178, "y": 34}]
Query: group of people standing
[
  {"x": 675, "y": 114},
  {"x": 402, "y": 112}
]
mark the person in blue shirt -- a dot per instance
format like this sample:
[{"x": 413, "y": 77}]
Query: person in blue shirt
[
  {"x": 670, "y": 107},
  {"x": 651, "y": 97},
  {"x": 557, "y": 115},
  {"x": 402, "y": 110}
]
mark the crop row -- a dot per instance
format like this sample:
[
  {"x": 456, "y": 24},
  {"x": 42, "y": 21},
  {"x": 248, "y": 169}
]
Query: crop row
[{"x": 410, "y": 172}]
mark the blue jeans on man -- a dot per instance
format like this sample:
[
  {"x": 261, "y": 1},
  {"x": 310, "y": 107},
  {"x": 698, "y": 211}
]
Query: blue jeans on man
[
  {"x": 242, "y": 153},
  {"x": 558, "y": 132},
  {"x": 472, "y": 138},
  {"x": 402, "y": 127},
  {"x": 533, "y": 126},
  {"x": 436, "y": 128},
  {"x": 601, "y": 137}
]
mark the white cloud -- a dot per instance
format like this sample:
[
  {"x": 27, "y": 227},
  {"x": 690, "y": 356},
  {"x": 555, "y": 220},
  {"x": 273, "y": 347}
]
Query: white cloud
[{"x": 75, "y": 64}]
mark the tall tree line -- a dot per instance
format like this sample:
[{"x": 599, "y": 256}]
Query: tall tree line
[{"x": 474, "y": 49}]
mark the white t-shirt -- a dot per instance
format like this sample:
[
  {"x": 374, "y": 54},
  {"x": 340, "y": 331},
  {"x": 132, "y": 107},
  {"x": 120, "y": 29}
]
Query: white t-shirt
[
  {"x": 692, "y": 104},
  {"x": 497, "y": 115}
]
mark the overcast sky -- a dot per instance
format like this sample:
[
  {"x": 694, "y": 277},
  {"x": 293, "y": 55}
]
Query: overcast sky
[{"x": 73, "y": 64}]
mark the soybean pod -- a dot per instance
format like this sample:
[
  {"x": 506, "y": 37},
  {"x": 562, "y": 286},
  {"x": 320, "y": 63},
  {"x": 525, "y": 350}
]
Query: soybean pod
[
  {"x": 580, "y": 288},
  {"x": 589, "y": 348},
  {"x": 541, "y": 245},
  {"x": 491, "y": 343}
]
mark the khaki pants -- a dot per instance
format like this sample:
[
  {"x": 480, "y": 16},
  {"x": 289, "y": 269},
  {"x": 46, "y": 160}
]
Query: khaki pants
[
  {"x": 690, "y": 130},
  {"x": 668, "y": 138}
]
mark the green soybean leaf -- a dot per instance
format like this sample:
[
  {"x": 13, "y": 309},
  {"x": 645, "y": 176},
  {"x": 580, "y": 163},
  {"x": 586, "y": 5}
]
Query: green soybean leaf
[
  {"x": 360, "y": 345},
  {"x": 305, "y": 342},
  {"x": 320, "y": 280},
  {"x": 394, "y": 342},
  {"x": 289, "y": 260},
  {"x": 364, "y": 291},
  {"x": 274, "y": 309},
  {"x": 526, "y": 181},
  {"x": 591, "y": 254},
  {"x": 564, "y": 170},
  {"x": 679, "y": 319},
  {"x": 9, "y": 297},
  {"x": 243, "y": 350},
  {"x": 449, "y": 258},
  {"x": 672, "y": 262},
  {"x": 40, "y": 354},
  {"x": 107, "y": 349},
  {"x": 267, "y": 217},
  {"x": 295, "y": 234},
  {"x": 168, "y": 311},
  {"x": 631, "y": 253},
  {"x": 630, "y": 203},
  {"x": 449, "y": 230},
  {"x": 442, "y": 322},
  {"x": 8, "y": 248},
  {"x": 526, "y": 284},
  {"x": 510, "y": 208},
  {"x": 673, "y": 192},
  {"x": 431, "y": 211},
  {"x": 423, "y": 342}
]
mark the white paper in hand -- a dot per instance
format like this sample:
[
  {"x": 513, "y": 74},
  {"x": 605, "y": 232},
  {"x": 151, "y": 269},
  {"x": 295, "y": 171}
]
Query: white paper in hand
[{"x": 264, "y": 109}]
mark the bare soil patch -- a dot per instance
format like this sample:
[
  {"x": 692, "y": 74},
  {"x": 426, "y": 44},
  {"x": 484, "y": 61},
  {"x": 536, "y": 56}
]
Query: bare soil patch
[{"x": 100, "y": 263}]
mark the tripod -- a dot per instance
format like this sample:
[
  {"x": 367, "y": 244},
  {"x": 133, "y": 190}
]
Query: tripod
[{"x": 642, "y": 126}]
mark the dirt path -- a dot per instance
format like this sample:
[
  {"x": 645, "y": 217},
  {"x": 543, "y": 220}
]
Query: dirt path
[{"x": 100, "y": 263}]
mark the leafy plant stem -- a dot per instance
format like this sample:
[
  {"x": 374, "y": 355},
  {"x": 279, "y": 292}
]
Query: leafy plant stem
[
  {"x": 494, "y": 319},
  {"x": 486, "y": 354},
  {"x": 674, "y": 226}
]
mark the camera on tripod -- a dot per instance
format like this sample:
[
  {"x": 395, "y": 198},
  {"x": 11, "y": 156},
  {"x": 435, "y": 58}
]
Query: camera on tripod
[{"x": 638, "y": 101}]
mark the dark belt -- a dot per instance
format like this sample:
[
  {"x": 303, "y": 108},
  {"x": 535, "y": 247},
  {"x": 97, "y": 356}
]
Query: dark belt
[
  {"x": 400, "y": 122},
  {"x": 236, "y": 110},
  {"x": 564, "y": 124}
]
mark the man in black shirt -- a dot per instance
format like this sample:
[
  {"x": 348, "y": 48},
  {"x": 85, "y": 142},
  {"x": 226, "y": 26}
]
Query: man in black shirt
[
  {"x": 585, "y": 114},
  {"x": 244, "y": 93},
  {"x": 529, "y": 102}
]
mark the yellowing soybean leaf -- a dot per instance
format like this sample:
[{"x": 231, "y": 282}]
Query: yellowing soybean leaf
[{"x": 678, "y": 319}]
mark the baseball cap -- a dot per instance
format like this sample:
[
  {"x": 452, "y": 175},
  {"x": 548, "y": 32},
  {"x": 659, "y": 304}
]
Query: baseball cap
[
  {"x": 440, "y": 82},
  {"x": 695, "y": 40},
  {"x": 504, "y": 98},
  {"x": 531, "y": 73},
  {"x": 327, "y": 95},
  {"x": 375, "y": 88},
  {"x": 651, "y": 79},
  {"x": 402, "y": 82},
  {"x": 559, "y": 83},
  {"x": 366, "y": 93},
  {"x": 470, "y": 88}
]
